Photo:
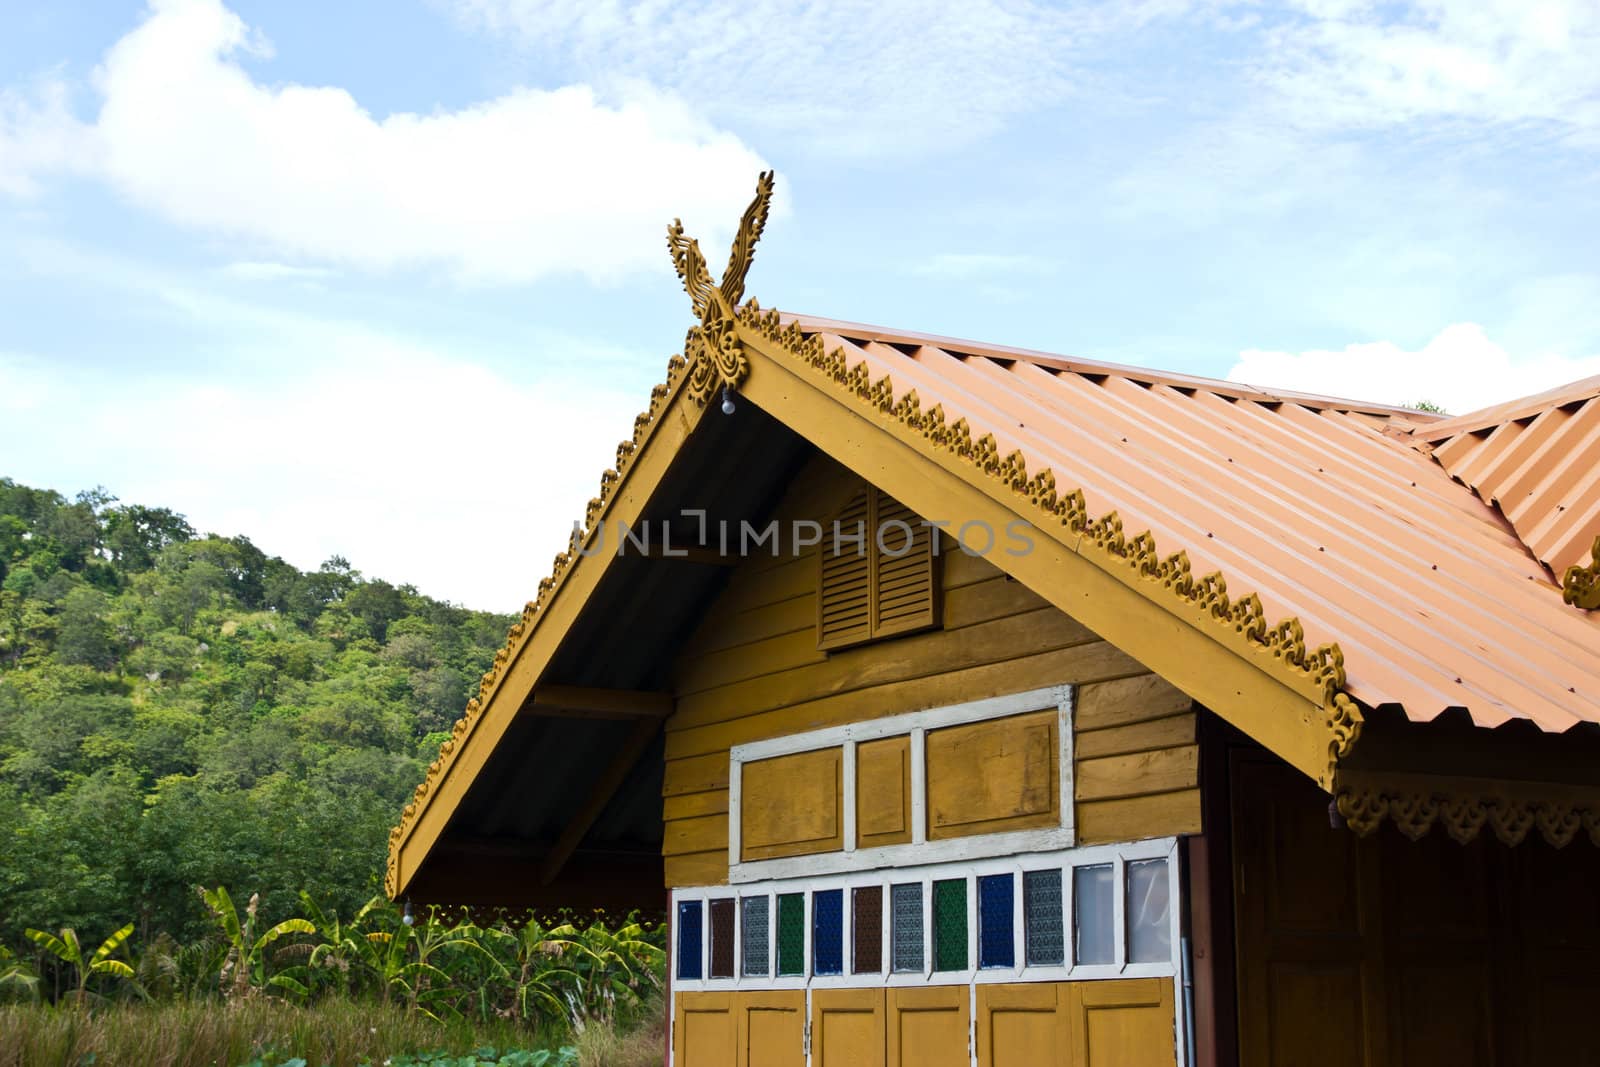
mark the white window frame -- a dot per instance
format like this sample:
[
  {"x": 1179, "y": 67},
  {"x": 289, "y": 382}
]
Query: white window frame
[
  {"x": 919, "y": 851},
  {"x": 1118, "y": 855}
]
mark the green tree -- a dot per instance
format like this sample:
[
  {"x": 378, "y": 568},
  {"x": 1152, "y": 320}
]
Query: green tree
[{"x": 83, "y": 635}]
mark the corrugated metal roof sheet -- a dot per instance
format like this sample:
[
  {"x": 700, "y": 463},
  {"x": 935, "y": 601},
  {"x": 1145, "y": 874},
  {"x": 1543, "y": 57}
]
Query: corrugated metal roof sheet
[
  {"x": 1325, "y": 508},
  {"x": 1538, "y": 461}
]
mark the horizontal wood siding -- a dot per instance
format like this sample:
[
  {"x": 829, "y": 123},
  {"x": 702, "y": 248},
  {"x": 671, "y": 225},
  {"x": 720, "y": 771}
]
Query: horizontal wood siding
[
  {"x": 1136, "y": 761},
  {"x": 753, "y": 671}
]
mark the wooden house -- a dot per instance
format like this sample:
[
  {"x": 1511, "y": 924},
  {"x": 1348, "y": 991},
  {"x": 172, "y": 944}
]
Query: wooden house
[{"x": 964, "y": 705}]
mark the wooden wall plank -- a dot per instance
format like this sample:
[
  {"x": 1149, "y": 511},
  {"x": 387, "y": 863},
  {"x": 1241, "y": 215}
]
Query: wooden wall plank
[
  {"x": 699, "y": 834},
  {"x": 690, "y": 805},
  {"x": 1105, "y": 822},
  {"x": 1159, "y": 771},
  {"x": 1125, "y": 700},
  {"x": 699, "y": 868},
  {"x": 1055, "y": 667},
  {"x": 1136, "y": 737}
]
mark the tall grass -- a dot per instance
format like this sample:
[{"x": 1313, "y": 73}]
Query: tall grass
[{"x": 214, "y": 1033}]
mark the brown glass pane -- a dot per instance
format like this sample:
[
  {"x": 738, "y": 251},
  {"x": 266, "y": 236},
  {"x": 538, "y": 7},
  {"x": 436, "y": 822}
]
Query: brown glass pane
[
  {"x": 721, "y": 939},
  {"x": 867, "y": 922}
]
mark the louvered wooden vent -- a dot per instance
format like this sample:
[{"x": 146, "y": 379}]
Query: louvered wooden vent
[{"x": 880, "y": 586}]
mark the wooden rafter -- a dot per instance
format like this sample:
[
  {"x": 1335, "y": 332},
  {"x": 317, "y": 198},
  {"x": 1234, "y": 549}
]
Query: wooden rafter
[
  {"x": 589, "y": 702},
  {"x": 605, "y": 787}
]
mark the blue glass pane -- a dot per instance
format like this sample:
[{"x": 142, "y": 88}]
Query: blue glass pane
[
  {"x": 827, "y": 932},
  {"x": 689, "y": 934},
  {"x": 996, "y": 934}
]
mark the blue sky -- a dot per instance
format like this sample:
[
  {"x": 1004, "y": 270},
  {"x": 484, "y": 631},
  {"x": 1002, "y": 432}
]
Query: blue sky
[{"x": 389, "y": 279}]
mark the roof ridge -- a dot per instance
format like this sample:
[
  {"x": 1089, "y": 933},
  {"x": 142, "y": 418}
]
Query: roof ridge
[
  {"x": 1079, "y": 365},
  {"x": 1511, "y": 410}
]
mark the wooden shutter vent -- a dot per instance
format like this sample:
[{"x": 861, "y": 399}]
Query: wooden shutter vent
[{"x": 880, "y": 586}]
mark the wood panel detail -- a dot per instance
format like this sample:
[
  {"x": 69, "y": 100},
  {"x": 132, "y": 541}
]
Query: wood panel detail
[
  {"x": 1022, "y": 1024},
  {"x": 988, "y": 777},
  {"x": 847, "y": 1028},
  {"x": 928, "y": 1026},
  {"x": 883, "y": 792},
  {"x": 704, "y": 1030},
  {"x": 1077, "y": 1024},
  {"x": 1122, "y": 1022},
  {"x": 790, "y": 805},
  {"x": 770, "y": 1029}
]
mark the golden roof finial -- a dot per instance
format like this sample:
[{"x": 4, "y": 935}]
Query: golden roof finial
[
  {"x": 1581, "y": 585},
  {"x": 715, "y": 356}
]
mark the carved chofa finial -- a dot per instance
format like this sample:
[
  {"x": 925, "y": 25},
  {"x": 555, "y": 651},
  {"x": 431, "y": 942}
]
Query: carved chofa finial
[
  {"x": 716, "y": 359},
  {"x": 1581, "y": 585}
]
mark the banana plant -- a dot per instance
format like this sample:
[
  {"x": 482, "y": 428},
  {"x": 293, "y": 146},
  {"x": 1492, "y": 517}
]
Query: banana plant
[
  {"x": 613, "y": 966},
  {"x": 68, "y": 950},
  {"x": 16, "y": 974},
  {"x": 541, "y": 978},
  {"x": 244, "y": 968},
  {"x": 428, "y": 988},
  {"x": 338, "y": 948}
]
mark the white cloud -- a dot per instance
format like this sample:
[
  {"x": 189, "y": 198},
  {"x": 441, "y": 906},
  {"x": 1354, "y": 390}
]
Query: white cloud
[
  {"x": 259, "y": 271},
  {"x": 1461, "y": 370},
  {"x": 37, "y": 134},
  {"x": 1365, "y": 63},
  {"x": 852, "y": 77},
  {"x": 528, "y": 184},
  {"x": 417, "y": 466}
]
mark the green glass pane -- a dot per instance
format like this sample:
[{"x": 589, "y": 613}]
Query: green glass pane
[
  {"x": 791, "y": 933},
  {"x": 950, "y": 925}
]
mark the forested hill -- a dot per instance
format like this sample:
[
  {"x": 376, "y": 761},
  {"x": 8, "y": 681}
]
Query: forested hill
[{"x": 180, "y": 709}]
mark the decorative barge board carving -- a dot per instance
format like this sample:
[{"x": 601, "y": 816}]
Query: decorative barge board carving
[{"x": 920, "y": 802}]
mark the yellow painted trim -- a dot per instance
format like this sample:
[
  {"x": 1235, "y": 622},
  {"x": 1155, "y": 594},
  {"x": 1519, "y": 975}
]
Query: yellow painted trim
[
  {"x": 1510, "y": 808},
  {"x": 1289, "y": 698}
]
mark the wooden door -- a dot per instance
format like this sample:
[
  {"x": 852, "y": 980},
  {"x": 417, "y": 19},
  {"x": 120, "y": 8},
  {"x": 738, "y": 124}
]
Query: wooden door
[
  {"x": 770, "y": 1028},
  {"x": 1310, "y": 964},
  {"x": 847, "y": 1028},
  {"x": 928, "y": 1026},
  {"x": 703, "y": 1030},
  {"x": 1023, "y": 1025},
  {"x": 1121, "y": 1022}
]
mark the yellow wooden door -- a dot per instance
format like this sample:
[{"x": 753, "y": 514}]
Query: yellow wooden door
[
  {"x": 770, "y": 1028},
  {"x": 1022, "y": 1025},
  {"x": 928, "y": 1026},
  {"x": 703, "y": 1030},
  {"x": 1120, "y": 1022},
  {"x": 847, "y": 1028}
]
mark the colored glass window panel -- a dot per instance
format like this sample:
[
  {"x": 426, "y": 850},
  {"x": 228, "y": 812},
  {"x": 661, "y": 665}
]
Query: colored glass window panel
[
  {"x": 905, "y": 927},
  {"x": 996, "y": 916},
  {"x": 791, "y": 934},
  {"x": 721, "y": 938},
  {"x": 1041, "y": 918},
  {"x": 1147, "y": 910},
  {"x": 950, "y": 925},
  {"x": 867, "y": 927},
  {"x": 689, "y": 935},
  {"x": 1093, "y": 917},
  {"x": 757, "y": 938},
  {"x": 827, "y": 932}
]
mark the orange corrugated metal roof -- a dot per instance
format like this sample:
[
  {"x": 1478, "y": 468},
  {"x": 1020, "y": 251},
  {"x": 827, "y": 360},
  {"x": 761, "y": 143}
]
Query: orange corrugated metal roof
[
  {"x": 1326, "y": 508},
  {"x": 1538, "y": 461}
]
